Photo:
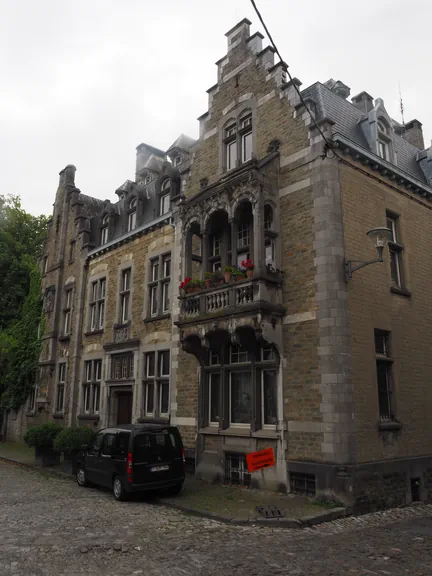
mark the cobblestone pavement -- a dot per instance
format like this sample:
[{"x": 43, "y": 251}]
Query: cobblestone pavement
[{"x": 50, "y": 526}]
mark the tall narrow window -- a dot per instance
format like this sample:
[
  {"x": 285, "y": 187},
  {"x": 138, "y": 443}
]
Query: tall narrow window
[
  {"x": 31, "y": 404},
  {"x": 165, "y": 198},
  {"x": 132, "y": 217},
  {"x": 159, "y": 285},
  {"x": 384, "y": 365},
  {"x": 156, "y": 383},
  {"x": 67, "y": 313},
  {"x": 395, "y": 251},
  {"x": 246, "y": 137},
  {"x": 91, "y": 386},
  {"x": 230, "y": 144},
  {"x": 60, "y": 393},
  {"x": 125, "y": 295},
  {"x": 45, "y": 264},
  {"x": 72, "y": 251},
  {"x": 104, "y": 230},
  {"x": 97, "y": 304}
]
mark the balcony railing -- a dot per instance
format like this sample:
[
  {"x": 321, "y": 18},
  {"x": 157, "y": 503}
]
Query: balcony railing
[{"x": 227, "y": 297}]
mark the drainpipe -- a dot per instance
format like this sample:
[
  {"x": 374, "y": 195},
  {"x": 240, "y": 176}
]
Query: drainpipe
[{"x": 281, "y": 427}]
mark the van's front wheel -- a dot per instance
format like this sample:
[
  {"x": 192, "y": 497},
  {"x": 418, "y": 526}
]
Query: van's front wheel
[{"x": 118, "y": 489}]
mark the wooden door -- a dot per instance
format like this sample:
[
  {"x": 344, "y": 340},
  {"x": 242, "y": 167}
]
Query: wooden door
[{"x": 124, "y": 408}]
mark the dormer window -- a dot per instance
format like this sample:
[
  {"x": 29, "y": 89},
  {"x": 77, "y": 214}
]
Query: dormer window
[
  {"x": 132, "y": 214},
  {"x": 165, "y": 198},
  {"x": 104, "y": 230},
  {"x": 177, "y": 160},
  {"x": 147, "y": 180},
  {"x": 383, "y": 140}
]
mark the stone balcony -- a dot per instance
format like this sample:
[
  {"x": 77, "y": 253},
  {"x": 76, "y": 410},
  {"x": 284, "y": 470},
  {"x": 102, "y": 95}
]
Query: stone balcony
[{"x": 243, "y": 297}]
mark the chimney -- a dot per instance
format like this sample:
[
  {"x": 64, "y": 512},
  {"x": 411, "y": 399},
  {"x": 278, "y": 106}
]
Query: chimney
[
  {"x": 413, "y": 134},
  {"x": 363, "y": 102}
]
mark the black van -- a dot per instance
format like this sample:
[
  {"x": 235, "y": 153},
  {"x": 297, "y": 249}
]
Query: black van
[{"x": 134, "y": 458}]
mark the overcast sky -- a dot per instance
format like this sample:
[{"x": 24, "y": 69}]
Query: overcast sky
[{"x": 84, "y": 82}]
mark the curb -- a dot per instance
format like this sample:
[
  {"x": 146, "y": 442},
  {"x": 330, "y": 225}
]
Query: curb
[
  {"x": 291, "y": 523},
  {"x": 288, "y": 523},
  {"x": 48, "y": 470}
]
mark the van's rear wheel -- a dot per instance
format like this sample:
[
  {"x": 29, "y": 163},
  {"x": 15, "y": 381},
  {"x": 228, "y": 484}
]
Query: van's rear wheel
[
  {"x": 81, "y": 476},
  {"x": 118, "y": 489}
]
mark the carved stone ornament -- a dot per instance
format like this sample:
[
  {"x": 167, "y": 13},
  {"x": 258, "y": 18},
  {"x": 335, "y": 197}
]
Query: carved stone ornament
[
  {"x": 49, "y": 301},
  {"x": 120, "y": 335}
]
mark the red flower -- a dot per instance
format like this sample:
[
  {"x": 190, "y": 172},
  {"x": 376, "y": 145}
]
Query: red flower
[
  {"x": 185, "y": 282},
  {"x": 248, "y": 264}
]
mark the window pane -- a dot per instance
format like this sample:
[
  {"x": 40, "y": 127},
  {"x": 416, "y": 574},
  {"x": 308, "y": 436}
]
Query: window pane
[
  {"x": 214, "y": 391},
  {"x": 68, "y": 298},
  {"x": 214, "y": 358},
  {"x": 164, "y": 204},
  {"x": 96, "y": 398},
  {"x": 167, "y": 266},
  {"x": 101, "y": 314},
  {"x": 238, "y": 354},
  {"x": 62, "y": 373},
  {"x": 246, "y": 147},
  {"x": 381, "y": 346},
  {"x": 165, "y": 297},
  {"x": 86, "y": 398},
  {"x": 88, "y": 371},
  {"x": 269, "y": 397},
  {"x": 98, "y": 369},
  {"x": 391, "y": 226},
  {"x": 269, "y": 250},
  {"x": 125, "y": 307},
  {"x": 153, "y": 300},
  {"x": 149, "y": 398},
  {"x": 60, "y": 397},
  {"x": 67, "y": 323},
  {"x": 164, "y": 397},
  {"x": 383, "y": 369},
  {"x": 104, "y": 235},
  {"x": 268, "y": 353},
  {"x": 241, "y": 397},
  {"x": 150, "y": 364},
  {"x": 102, "y": 288},
  {"x": 164, "y": 363},
  {"x": 155, "y": 270},
  {"x": 230, "y": 130},
  {"x": 132, "y": 221},
  {"x": 93, "y": 317},
  {"x": 94, "y": 291},
  {"x": 395, "y": 267},
  {"x": 268, "y": 217},
  {"x": 216, "y": 242},
  {"x": 231, "y": 151}
]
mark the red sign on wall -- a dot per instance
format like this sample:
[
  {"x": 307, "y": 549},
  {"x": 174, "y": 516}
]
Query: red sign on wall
[{"x": 259, "y": 460}]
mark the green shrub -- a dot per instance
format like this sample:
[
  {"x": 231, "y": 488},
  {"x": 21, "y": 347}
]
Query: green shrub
[
  {"x": 71, "y": 439},
  {"x": 42, "y": 436}
]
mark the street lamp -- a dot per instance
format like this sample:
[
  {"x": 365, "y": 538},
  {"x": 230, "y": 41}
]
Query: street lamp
[{"x": 380, "y": 238}]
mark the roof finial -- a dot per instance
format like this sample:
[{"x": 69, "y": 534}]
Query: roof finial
[{"x": 401, "y": 105}]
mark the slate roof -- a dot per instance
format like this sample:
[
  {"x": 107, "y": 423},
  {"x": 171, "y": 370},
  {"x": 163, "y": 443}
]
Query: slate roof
[
  {"x": 347, "y": 116},
  {"x": 183, "y": 142}
]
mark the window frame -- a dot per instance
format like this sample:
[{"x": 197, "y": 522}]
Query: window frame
[
  {"x": 165, "y": 195},
  {"x": 159, "y": 285},
  {"x": 384, "y": 360},
  {"x": 92, "y": 379},
  {"x": 396, "y": 250},
  {"x": 97, "y": 297},
  {"x": 104, "y": 230},
  {"x": 67, "y": 312},
  {"x": 132, "y": 214},
  {"x": 61, "y": 388},
  {"x": 155, "y": 381},
  {"x": 126, "y": 360},
  {"x": 125, "y": 295}
]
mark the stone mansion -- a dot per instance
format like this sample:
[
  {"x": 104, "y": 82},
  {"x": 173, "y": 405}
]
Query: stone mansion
[{"x": 328, "y": 365}]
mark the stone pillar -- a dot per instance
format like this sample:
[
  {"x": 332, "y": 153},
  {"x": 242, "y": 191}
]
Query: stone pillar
[
  {"x": 258, "y": 235},
  {"x": 204, "y": 253},
  {"x": 234, "y": 229}
]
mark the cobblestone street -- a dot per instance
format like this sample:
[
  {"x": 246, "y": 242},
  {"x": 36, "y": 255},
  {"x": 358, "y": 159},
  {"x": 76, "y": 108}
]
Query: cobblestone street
[{"x": 50, "y": 526}]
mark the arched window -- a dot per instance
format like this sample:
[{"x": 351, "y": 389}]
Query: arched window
[
  {"x": 248, "y": 378},
  {"x": 132, "y": 217},
  {"x": 165, "y": 197},
  {"x": 104, "y": 230}
]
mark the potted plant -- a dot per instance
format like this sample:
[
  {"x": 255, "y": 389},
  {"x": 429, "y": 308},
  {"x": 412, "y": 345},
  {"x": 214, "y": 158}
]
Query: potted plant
[
  {"x": 42, "y": 439},
  {"x": 194, "y": 285},
  {"x": 249, "y": 265},
  {"x": 70, "y": 442},
  {"x": 217, "y": 278},
  {"x": 207, "y": 279},
  {"x": 228, "y": 270},
  {"x": 184, "y": 285},
  {"x": 238, "y": 273}
]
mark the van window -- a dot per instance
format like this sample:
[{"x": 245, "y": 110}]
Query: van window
[
  {"x": 121, "y": 445},
  {"x": 107, "y": 444},
  {"x": 150, "y": 445}
]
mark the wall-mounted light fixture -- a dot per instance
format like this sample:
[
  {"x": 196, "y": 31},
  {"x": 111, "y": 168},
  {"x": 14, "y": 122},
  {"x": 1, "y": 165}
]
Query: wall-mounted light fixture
[{"x": 380, "y": 238}]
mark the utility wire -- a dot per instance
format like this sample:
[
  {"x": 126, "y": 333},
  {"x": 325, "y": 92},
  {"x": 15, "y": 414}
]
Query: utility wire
[{"x": 285, "y": 67}]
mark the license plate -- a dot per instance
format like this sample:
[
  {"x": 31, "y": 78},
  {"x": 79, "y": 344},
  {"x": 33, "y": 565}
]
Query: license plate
[{"x": 159, "y": 468}]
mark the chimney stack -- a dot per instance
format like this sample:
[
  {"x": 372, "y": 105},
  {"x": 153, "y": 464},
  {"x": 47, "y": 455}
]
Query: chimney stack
[
  {"x": 413, "y": 134},
  {"x": 363, "y": 102}
]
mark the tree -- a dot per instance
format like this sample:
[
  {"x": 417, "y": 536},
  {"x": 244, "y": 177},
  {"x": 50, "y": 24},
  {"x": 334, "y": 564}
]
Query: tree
[{"x": 21, "y": 241}]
